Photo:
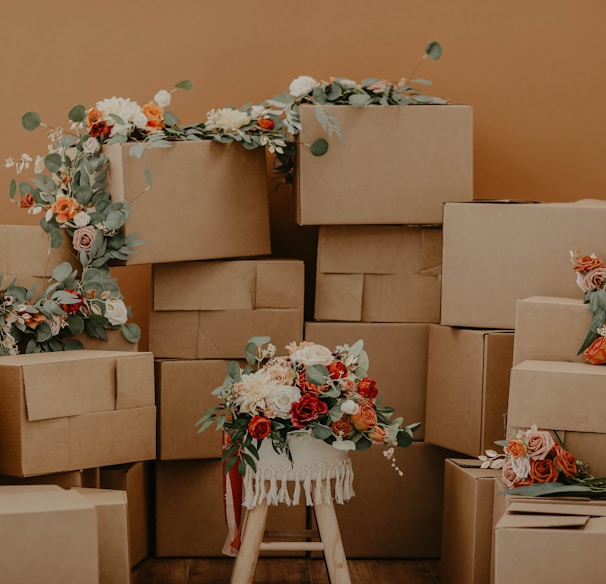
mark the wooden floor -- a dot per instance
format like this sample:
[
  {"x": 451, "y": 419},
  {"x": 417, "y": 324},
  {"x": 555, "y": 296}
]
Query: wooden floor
[{"x": 284, "y": 571}]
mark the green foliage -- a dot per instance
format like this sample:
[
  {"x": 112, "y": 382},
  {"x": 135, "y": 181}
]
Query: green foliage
[{"x": 31, "y": 121}]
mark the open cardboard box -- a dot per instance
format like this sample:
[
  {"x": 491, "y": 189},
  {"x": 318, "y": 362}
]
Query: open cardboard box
[
  {"x": 75, "y": 409},
  {"x": 467, "y": 387},
  {"x": 378, "y": 274},
  {"x": 550, "y": 329},
  {"x": 396, "y": 165},
  {"x": 207, "y": 200},
  {"x": 546, "y": 541},
  {"x": 497, "y": 252}
]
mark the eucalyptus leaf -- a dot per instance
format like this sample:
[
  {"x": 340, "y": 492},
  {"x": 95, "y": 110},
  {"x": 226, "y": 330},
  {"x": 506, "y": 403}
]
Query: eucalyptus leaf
[
  {"x": 186, "y": 85},
  {"x": 115, "y": 220},
  {"x": 30, "y": 121},
  {"x": 62, "y": 271},
  {"x": 12, "y": 189},
  {"x": 359, "y": 99},
  {"x": 233, "y": 370},
  {"x": 319, "y": 147},
  {"x": 344, "y": 445},
  {"x": 317, "y": 374},
  {"x": 43, "y": 332},
  {"x": 434, "y": 50},
  {"x": 77, "y": 113},
  {"x": 170, "y": 119},
  {"x": 321, "y": 432},
  {"x": 131, "y": 332},
  {"x": 75, "y": 323},
  {"x": 148, "y": 177},
  {"x": 53, "y": 162},
  {"x": 136, "y": 150}
]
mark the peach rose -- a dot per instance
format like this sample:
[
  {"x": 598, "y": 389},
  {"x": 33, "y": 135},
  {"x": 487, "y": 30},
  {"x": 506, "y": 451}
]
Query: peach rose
[
  {"x": 94, "y": 117},
  {"x": 306, "y": 386},
  {"x": 33, "y": 319},
  {"x": 543, "y": 471},
  {"x": 516, "y": 448},
  {"x": 378, "y": 434},
  {"x": 27, "y": 201},
  {"x": 565, "y": 461},
  {"x": 153, "y": 112},
  {"x": 508, "y": 474},
  {"x": 366, "y": 417},
  {"x": 587, "y": 263},
  {"x": 596, "y": 352},
  {"x": 64, "y": 209},
  {"x": 342, "y": 427},
  {"x": 539, "y": 443}
]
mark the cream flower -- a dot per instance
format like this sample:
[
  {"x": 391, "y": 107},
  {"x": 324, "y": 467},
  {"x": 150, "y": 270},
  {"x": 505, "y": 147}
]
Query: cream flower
[
  {"x": 252, "y": 391},
  {"x": 81, "y": 219},
  {"x": 162, "y": 98},
  {"x": 302, "y": 85},
  {"x": 91, "y": 145},
  {"x": 115, "y": 311},
  {"x": 312, "y": 354},
  {"x": 281, "y": 398},
  {"x": 125, "y": 109},
  {"x": 226, "y": 119},
  {"x": 350, "y": 407}
]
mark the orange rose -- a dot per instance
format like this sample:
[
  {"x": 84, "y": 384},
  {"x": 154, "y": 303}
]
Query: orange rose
[
  {"x": 64, "y": 209},
  {"x": 259, "y": 427},
  {"x": 543, "y": 471},
  {"x": 587, "y": 263},
  {"x": 378, "y": 434},
  {"x": 27, "y": 201},
  {"x": 74, "y": 306},
  {"x": 596, "y": 352},
  {"x": 368, "y": 388},
  {"x": 100, "y": 130},
  {"x": 33, "y": 319},
  {"x": 265, "y": 123},
  {"x": 337, "y": 370},
  {"x": 366, "y": 417},
  {"x": 516, "y": 448},
  {"x": 565, "y": 461},
  {"x": 94, "y": 117},
  {"x": 153, "y": 112},
  {"x": 342, "y": 427},
  {"x": 306, "y": 386}
]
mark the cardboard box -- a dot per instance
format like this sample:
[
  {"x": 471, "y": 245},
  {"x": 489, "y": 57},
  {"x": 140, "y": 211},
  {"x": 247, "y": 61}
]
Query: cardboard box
[
  {"x": 182, "y": 403},
  {"x": 567, "y": 397},
  {"x": 75, "y": 409},
  {"x": 550, "y": 329},
  {"x": 220, "y": 334},
  {"x": 467, "y": 387},
  {"x": 405, "y": 512},
  {"x": 229, "y": 285},
  {"x": 112, "y": 533},
  {"x": 88, "y": 478},
  {"x": 496, "y": 253},
  {"x": 543, "y": 541},
  {"x": 207, "y": 200},
  {"x": 190, "y": 519},
  {"x": 220, "y": 305},
  {"x": 396, "y": 165},
  {"x": 47, "y": 534},
  {"x": 398, "y": 360},
  {"x": 25, "y": 252},
  {"x": 136, "y": 480},
  {"x": 378, "y": 274},
  {"x": 467, "y": 522}
]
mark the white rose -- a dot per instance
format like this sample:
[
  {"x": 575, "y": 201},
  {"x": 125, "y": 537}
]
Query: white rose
[
  {"x": 91, "y": 145},
  {"x": 281, "y": 398},
  {"x": 115, "y": 311},
  {"x": 162, "y": 98},
  {"x": 81, "y": 219},
  {"x": 521, "y": 466},
  {"x": 140, "y": 120},
  {"x": 257, "y": 111},
  {"x": 302, "y": 85},
  {"x": 350, "y": 407},
  {"x": 313, "y": 355}
]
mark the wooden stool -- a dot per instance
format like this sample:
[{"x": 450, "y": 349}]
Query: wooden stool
[{"x": 314, "y": 470}]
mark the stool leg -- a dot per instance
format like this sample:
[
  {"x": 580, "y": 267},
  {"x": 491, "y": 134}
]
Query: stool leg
[
  {"x": 334, "y": 554},
  {"x": 252, "y": 536}
]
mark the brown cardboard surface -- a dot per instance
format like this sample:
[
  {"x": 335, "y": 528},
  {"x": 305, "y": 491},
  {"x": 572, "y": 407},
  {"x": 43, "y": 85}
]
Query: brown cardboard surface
[
  {"x": 405, "y": 512},
  {"x": 406, "y": 184},
  {"x": 220, "y": 334},
  {"x": 229, "y": 285},
  {"x": 43, "y": 526},
  {"x": 535, "y": 539},
  {"x": 25, "y": 251},
  {"x": 496, "y": 253},
  {"x": 112, "y": 532},
  {"x": 190, "y": 519},
  {"x": 75, "y": 478},
  {"x": 550, "y": 329},
  {"x": 398, "y": 360},
  {"x": 115, "y": 342},
  {"x": 42, "y": 434},
  {"x": 207, "y": 200},
  {"x": 467, "y": 387},
  {"x": 136, "y": 480},
  {"x": 183, "y": 391},
  {"x": 378, "y": 274},
  {"x": 467, "y": 523}
]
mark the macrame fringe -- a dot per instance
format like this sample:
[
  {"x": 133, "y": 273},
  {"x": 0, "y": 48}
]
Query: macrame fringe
[{"x": 271, "y": 483}]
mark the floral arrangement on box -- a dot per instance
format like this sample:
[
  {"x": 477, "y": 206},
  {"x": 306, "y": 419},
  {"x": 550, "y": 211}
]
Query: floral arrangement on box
[
  {"x": 536, "y": 462},
  {"x": 591, "y": 279},
  {"x": 325, "y": 393},
  {"x": 305, "y": 90}
]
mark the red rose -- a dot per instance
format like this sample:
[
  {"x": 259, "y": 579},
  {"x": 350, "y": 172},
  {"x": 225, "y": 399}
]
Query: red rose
[
  {"x": 337, "y": 370},
  {"x": 309, "y": 408},
  {"x": 265, "y": 123},
  {"x": 368, "y": 388},
  {"x": 75, "y": 306},
  {"x": 259, "y": 427},
  {"x": 543, "y": 471},
  {"x": 27, "y": 201}
]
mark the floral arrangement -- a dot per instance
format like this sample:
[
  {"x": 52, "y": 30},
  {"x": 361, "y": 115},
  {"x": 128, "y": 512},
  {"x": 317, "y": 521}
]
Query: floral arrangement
[
  {"x": 536, "y": 462},
  {"x": 591, "y": 279},
  {"x": 341, "y": 91},
  {"x": 313, "y": 389}
]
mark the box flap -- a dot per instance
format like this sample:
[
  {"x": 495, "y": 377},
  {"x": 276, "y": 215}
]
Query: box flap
[
  {"x": 552, "y": 507},
  {"x": 280, "y": 284},
  {"x": 541, "y": 521},
  {"x": 59, "y": 389},
  {"x": 135, "y": 381}
]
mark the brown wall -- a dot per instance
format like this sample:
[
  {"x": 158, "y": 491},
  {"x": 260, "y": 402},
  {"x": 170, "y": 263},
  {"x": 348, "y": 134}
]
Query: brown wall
[{"x": 532, "y": 70}]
